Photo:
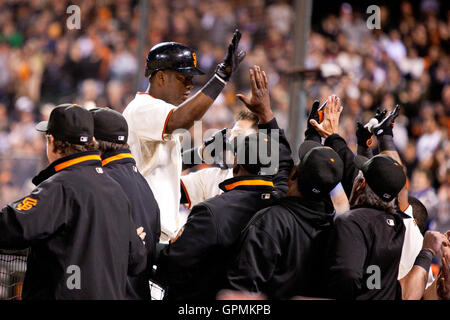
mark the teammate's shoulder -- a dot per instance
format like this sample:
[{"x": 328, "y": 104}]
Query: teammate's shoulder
[
  {"x": 269, "y": 216},
  {"x": 355, "y": 215}
]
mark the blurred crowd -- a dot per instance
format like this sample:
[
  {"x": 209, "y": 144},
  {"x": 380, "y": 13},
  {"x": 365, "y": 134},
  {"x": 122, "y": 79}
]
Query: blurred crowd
[{"x": 405, "y": 62}]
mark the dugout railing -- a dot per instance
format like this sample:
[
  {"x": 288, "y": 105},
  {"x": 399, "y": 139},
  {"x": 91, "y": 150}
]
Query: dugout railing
[{"x": 13, "y": 265}]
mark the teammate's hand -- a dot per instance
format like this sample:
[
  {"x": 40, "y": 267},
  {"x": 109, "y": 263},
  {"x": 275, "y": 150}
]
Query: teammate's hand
[
  {"x": 385, "y": 126},
  {"x": 313, "y": 115},
  {"x": 363, "y": 135},
  {"x": 140, "y": 232},
  {"x": 259, "y": 102},
  {"x": 232, "y": 59},
  {"x": 180, "y": 232},
  {"x": 434, "y": 240},
  {"x": 331, "y": 114},
  {"x": 443, "y": 280},
  {"x": 380, "y": 114}
]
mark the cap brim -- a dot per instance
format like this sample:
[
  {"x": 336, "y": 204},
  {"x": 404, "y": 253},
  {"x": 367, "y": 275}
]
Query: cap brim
[
  {"x": 305, "y": 147},
  {"x": 191, "y": 72},
  {"x": 42, "y": 126},
  {"x": 360, "y": 161}
]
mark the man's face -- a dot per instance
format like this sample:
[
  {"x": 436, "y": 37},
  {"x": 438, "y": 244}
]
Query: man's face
[
  {"x": 179, "y": 86},
  {"x": 242, "y": 128},
  {"x": 51, "y": 154},
  {"x": 358, "y": 187}
]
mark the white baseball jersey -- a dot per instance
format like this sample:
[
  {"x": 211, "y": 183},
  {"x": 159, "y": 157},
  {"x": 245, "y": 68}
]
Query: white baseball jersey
[
  {"x": 157, "y": 155},
  {"x": 204, "y": 184},
  {"x": 411, "y": 247}
]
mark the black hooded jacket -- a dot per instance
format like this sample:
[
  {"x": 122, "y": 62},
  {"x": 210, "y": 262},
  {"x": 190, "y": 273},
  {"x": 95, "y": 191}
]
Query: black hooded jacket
[
  {"x": 194, "y": 267},
  {"x": 281, "y": 251},
  {"x": 121, "y": 166}
]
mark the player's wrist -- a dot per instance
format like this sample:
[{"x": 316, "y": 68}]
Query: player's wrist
[
  {"x": 265, "y": 116},
  {"x": 424, "y": 258},
  {"x": 223, "y": 72},
  {"x": 214, "y": 87},
  {"x": 386, "y": 142}
]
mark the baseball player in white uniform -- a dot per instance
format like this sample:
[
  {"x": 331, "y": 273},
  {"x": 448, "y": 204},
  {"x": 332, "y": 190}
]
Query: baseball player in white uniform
[{"x": 155, "y": 115}]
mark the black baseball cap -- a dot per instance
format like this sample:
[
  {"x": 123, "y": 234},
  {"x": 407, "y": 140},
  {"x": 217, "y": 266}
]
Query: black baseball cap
[
  {"x": 306, "y": 146},
  {"x": 257, "y": 153},
  {"x": 383, "y": 174},
  {"x": 320, "y": 169},
  {"x": 109, "y": 125},
  {"x": 69, "y": 122}
]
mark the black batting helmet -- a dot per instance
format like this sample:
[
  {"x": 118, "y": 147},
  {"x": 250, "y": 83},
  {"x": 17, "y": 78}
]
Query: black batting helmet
[{"x": 173, "y": 56}]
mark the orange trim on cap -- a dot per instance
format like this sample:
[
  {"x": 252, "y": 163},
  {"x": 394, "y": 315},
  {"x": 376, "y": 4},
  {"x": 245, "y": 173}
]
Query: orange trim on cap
[
  {"x": 165, "y": 124},
  {"x": 186, "y": 193},
  {"x": 249, "y": 183},
  {"x": 69, "y": 163},
  {"x": 116, "y": 157}
]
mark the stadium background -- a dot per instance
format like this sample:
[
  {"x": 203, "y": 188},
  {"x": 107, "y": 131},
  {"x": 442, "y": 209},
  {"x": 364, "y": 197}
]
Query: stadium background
[{"x": 407, "y": 61}]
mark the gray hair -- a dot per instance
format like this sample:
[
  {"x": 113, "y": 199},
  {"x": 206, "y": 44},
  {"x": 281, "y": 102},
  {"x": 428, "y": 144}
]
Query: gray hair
[{"x": 370, "y": 198}]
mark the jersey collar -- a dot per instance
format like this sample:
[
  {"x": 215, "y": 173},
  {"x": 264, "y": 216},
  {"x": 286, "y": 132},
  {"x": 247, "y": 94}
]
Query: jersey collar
[
  {"x": 87, "y": 158},
  {"x": 251, "y": 183},
  {"x": 118, "y": 156}
]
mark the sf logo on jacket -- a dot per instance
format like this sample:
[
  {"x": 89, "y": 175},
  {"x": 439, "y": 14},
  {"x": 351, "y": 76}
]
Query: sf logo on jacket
[{"x": 27, "y": 204}]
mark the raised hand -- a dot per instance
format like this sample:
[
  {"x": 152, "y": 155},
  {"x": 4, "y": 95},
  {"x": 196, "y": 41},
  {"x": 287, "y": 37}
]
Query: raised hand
[
  {"x": 386, "y": 125},
  {"x": 232, "y": 59},
  {"x": 364, "y": 135},
  {"x": 380, "y": 114},
  {"x": 331, "y": 114},
  {"x": 443, "y": 280},
  {"x": 140, "y": 232},
  {"x": 259, "y": 102}
]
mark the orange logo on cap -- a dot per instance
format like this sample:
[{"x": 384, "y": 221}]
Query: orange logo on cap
[
  {"x": 27, "y": 204},
  {"x": 332, "y": 159},
  {"x": 195, "y": 59}
]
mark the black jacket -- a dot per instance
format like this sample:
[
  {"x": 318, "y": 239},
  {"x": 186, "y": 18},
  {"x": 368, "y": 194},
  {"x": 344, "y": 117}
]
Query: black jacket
[
  {"x": 77, "y": 222},
  {"x": 194, "y": 267},
  {"x": 121, "y": 166},
  {"x": 362, "y": 241},
  {"x": 281, "y": 252}
]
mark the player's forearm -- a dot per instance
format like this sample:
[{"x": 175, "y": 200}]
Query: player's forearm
[
  {"x": 431, "y": 292},
  {"x": 414, "y": 283},
  {"x": 393, "y": 154},
  {"x": 189, "y": 111},
  {"x": 364, "y": 151}
]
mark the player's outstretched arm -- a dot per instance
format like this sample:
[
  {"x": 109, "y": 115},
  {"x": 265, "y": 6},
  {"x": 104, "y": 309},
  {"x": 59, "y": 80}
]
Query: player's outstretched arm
[{"x": 194, "y": 108}]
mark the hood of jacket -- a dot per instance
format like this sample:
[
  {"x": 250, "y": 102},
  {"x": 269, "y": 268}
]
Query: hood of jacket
[{"x": 319, "y": 213}]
